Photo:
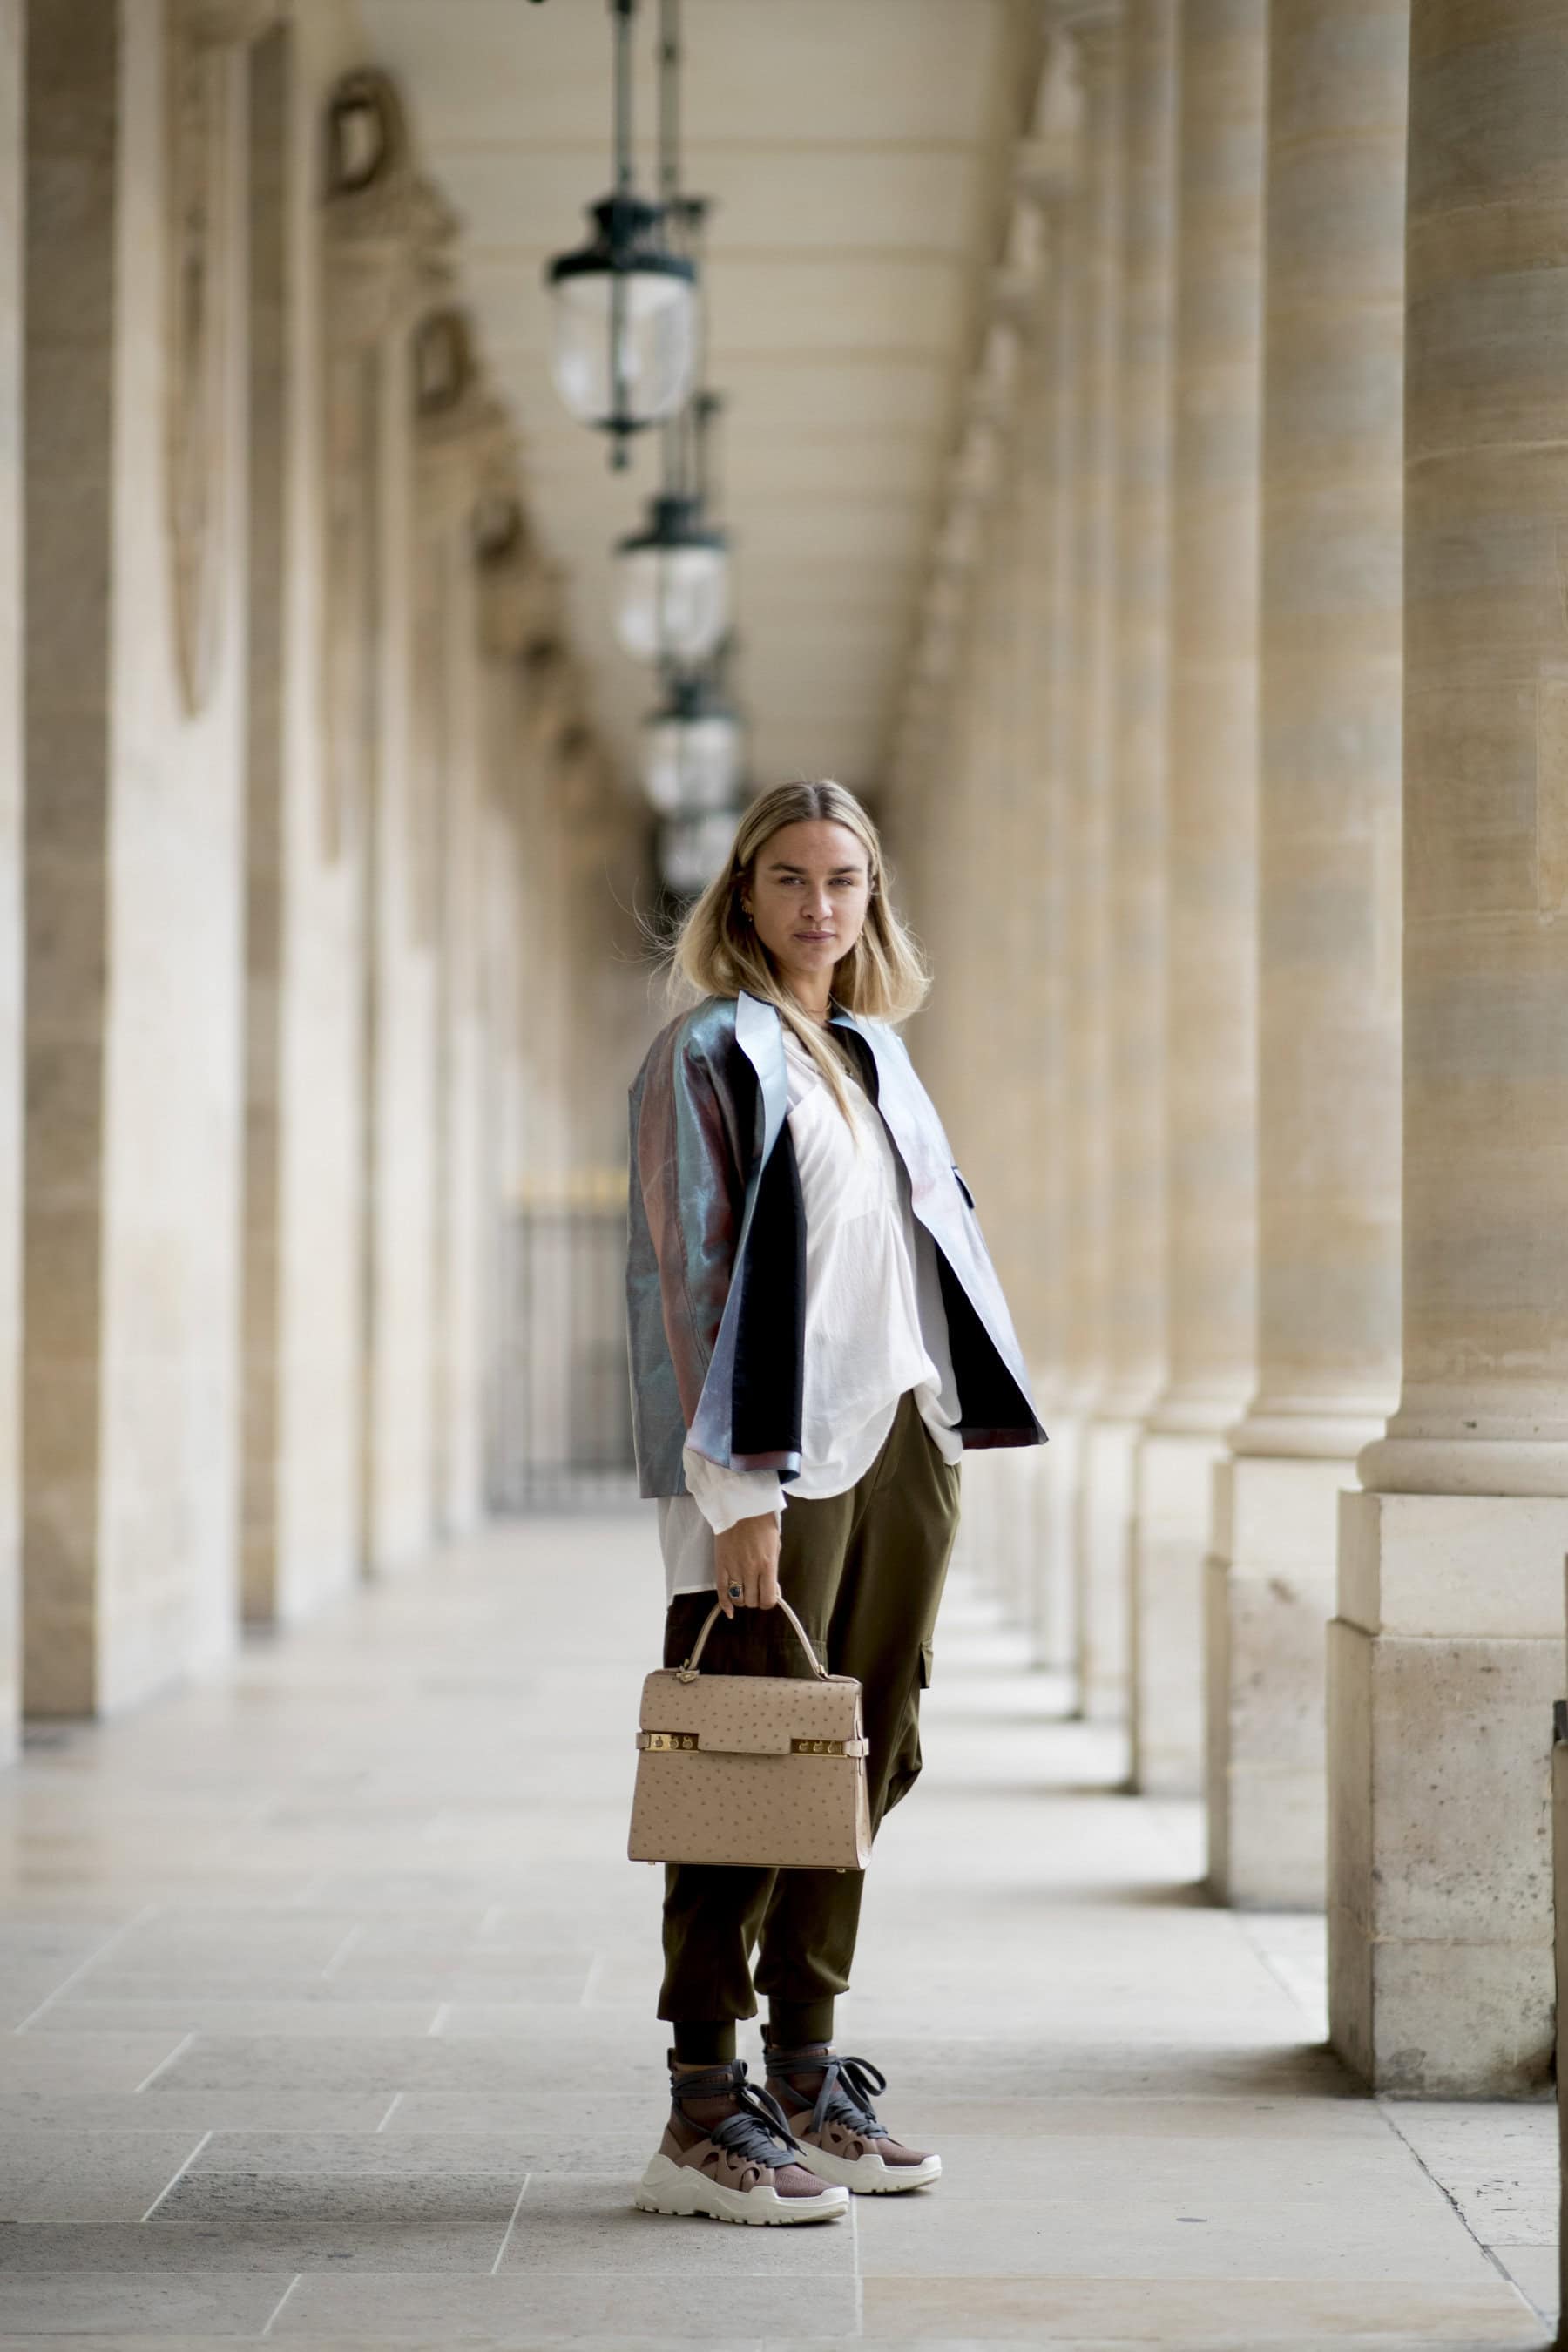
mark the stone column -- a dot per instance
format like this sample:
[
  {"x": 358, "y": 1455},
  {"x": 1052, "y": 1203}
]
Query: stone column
[
  {"x": 1447, "y": 1649},
  {"x": 1135, "y": 1314},
  {"x": 1101, "y": 1499},
  {"x": 1212, "y": 786},
  {"x": 509, "y": 577},
  {"x": 461, "y": 435},
  {"x": 1329, "y": 1093},
  {"x": 12, "y": 180},
  {"x": 384, "y": 232},
  {"x": 1042, "y": 616},
  {"x": 1055, "y": 503},
  {"x": 135, "y": 763}
]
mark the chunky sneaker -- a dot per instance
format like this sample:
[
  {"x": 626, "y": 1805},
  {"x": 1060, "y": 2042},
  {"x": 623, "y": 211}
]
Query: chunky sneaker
[
  {"x": 728, "y": 2152},
  {"x": 827, "y": 2102}
]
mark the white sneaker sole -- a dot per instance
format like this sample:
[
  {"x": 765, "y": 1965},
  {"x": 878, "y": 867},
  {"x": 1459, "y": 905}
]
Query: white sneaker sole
[
  {"x": 868, "y": 2175},
  {"x": 680, "y": 2188}
]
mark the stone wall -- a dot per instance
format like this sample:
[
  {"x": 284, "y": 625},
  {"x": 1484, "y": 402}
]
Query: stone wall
[{"x": 289, "y": 799}]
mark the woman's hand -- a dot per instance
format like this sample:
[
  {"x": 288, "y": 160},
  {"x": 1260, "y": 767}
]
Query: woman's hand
[{"x": 748, "y": 1555}]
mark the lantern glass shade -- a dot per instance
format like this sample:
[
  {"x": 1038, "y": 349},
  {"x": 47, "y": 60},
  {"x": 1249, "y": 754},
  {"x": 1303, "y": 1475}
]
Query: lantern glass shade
[
  {"x": 673, "y": 591},
  {"x": 690, "y": 761},
  {"x": 625, "y": 338},
  {"x": 693, "y": 849}
]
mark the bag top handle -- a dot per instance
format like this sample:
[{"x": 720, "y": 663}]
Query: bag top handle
[{"x": 688, "y": 1673}]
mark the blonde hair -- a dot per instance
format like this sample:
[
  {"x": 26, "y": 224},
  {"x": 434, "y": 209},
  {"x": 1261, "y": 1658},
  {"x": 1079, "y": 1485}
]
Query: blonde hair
[{"x": 717, "y": 953}]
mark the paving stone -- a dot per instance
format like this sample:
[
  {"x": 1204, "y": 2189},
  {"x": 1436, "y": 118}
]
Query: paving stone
[
  {"x": 587, "y": 2222},
  {"x": 539, "y": 2308},
  {"x": 87, "y": 2176},
  {"x": 97, "y": 2062},
  {"x": 478, "y": 2205},
  {"x": 313, "y": 2222},
  {"x": 1217, "y": 2310},
  {"x": 109, "y": 2113},
  {"x": 72, "y": 2303},
  {"x": 1534, "y": 2269},
  {"x": 409, "y": 2153},
  {"x": 1038, "y": 1975}
]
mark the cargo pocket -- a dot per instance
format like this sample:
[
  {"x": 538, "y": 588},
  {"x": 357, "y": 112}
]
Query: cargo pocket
[{"x": 907, "y": 1760}]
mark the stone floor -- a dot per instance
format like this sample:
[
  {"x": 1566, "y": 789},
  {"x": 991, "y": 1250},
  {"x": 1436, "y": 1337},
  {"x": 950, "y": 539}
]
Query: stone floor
[{"x": 328, "y": 1995}]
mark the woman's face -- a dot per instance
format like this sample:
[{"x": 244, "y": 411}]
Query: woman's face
[{"x": 810, "y": 888}]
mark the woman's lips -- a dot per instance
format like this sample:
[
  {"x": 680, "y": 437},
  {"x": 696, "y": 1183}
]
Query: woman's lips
[{"x": 813, "y": 938}]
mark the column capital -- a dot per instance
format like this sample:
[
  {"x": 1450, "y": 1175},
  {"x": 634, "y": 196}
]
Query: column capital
[
  {"x": 1015, "y": 280},
  {"x": 1094, "y": 29},
  {"x": 227, "y": 24},
  {"x": 386, "y": 227},
  {"x": 520, "y": 592},
  {"x": 556, "y": 700},
  {"x": 460, "y": 428},
  {"x": 994, "y": 392}
]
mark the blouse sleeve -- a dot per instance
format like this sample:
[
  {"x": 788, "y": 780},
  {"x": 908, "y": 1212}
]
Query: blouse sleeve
[{"x": 725, "y": 1496}]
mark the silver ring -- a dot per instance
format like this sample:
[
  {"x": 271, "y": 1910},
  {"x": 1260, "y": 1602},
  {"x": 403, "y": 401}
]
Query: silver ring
[{"x": 735, "y": 1592}]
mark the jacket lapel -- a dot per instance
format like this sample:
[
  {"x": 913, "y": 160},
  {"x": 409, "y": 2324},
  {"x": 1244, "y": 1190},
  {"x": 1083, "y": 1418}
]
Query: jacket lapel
[{"x": 759, "y": 1033}]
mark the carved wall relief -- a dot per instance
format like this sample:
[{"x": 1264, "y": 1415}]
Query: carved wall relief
[
  {"x": 467, "y": 470},
  {"x": 201, "y": 41},
  {"x": 382, "y": 224},
  {"x": 430, "y": 780},
  {"x": 200, "y": 105},
  {"x": 352, "y": 602}
]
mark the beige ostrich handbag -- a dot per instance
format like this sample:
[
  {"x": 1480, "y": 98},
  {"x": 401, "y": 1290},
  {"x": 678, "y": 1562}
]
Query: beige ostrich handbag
[{"x": 762, "y": 1769}]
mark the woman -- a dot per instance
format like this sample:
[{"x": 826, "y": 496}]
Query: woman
[{"x": 817, "y": 1332}]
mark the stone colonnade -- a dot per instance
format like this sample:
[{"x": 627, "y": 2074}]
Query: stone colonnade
[
  {"x": 290, "y": 717},
  {"x": 1329, "y": 233}
]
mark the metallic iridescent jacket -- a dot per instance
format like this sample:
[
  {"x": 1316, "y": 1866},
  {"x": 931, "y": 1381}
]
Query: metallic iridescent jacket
[{"x": 716, "y": 1247}]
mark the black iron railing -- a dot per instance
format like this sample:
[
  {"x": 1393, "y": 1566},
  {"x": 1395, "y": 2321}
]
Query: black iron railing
[{"x": 562, "y": 1429}]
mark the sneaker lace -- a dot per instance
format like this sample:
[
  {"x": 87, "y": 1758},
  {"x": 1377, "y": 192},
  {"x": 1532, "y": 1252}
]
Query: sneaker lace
[
  {"x": 845, "y": 2097},
  {"x": 758, "y": 2132}
]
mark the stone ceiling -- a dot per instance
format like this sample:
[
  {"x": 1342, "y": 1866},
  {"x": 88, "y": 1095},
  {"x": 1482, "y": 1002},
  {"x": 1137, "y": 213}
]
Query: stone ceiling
[{"x": 857, "y": 151}]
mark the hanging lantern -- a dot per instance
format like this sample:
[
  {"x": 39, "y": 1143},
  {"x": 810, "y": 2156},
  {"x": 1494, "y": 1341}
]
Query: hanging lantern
[
  {"x": 690, "y": 751},
  {"x": 673, "y": 586},
  {"x": 626, "y": 328},
  {"x": 625, "y": 341},
  {"x": 693, "y": 849}
]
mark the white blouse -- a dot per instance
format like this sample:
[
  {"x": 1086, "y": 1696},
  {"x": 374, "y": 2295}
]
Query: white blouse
[{"x": 875, "y": 1323}]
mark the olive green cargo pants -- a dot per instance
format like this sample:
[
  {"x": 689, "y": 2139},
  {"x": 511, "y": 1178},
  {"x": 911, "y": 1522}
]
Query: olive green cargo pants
[{"x": 864, "y": 1572}]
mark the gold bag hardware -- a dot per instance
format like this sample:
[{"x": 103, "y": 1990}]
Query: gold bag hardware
[{"x": 766, "y": 1771}]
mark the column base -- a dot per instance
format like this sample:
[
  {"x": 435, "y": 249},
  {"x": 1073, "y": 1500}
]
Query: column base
[
  {"x": 1170, "y": 1541},
  {"x": 1560, "y": 1886},
  {"x": 1269, "y": 1595},
  {"x": 1444, "y": 1664},
  {"x": 1055, "y": 1584},
  {"x": 1104, "y": 1571},
  {"x": 998, "y": 1539}
]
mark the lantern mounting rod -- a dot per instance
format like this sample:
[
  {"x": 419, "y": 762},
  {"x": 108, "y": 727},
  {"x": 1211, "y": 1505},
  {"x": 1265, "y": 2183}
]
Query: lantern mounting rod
[{"x": 669, "y": 63}]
